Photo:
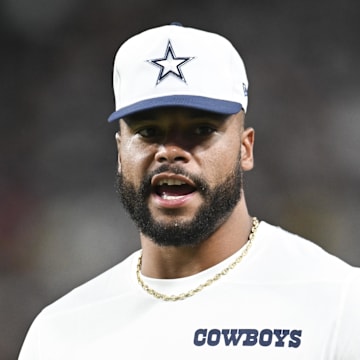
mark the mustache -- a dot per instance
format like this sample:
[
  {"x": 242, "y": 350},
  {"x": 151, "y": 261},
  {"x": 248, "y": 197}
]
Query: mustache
[{"x": 201, "y": 185}]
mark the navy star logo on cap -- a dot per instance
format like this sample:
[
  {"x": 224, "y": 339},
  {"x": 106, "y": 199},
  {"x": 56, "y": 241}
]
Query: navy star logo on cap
[{"x": 170, "y": 64}]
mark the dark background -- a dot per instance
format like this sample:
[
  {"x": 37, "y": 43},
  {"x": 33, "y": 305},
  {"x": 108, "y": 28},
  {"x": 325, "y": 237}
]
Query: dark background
[{"x": 60, "y": 220}]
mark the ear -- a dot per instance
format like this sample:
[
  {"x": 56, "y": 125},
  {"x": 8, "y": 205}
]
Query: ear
[
  {"x": 247, "y": 146},
  {"x": 118, "y": 143}
]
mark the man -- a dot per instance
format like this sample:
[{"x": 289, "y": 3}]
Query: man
[{"x": 210, "y": 280}]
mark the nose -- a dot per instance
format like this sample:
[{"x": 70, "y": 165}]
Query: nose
[{"x": 172, "y": 153}]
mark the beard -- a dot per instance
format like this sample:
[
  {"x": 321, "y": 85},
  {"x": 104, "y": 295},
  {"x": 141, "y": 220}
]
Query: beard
[{"x": 218, "y": 204}]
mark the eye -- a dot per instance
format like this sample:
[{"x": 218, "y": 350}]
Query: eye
[
  {"x": 204, "y": 130},
  {"x": 148, "y": 132}
]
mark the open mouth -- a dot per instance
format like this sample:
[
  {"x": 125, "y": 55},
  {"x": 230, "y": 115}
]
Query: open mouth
[{"x": 173, "y": 187}]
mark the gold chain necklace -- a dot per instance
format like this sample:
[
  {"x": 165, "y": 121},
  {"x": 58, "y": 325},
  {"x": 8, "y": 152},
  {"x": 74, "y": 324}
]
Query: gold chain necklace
[{"x": 182, "y": 296}]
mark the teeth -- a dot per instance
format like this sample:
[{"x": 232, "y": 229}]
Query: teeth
[
  {"x": 171, "y": 182},
  {"x": 170, "y": 197}
]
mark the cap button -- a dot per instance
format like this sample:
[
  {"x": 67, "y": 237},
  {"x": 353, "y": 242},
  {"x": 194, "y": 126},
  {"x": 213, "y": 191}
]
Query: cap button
[{"x": 176, "y": 23}]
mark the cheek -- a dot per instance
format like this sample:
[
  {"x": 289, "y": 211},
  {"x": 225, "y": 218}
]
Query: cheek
[
  {"x": 217, "y": 165},
  {"x": 135, "y": 161}
]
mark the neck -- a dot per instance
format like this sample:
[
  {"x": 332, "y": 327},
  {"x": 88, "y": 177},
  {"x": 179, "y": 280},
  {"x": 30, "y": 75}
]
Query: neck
[{"x": 176, "y": 262}]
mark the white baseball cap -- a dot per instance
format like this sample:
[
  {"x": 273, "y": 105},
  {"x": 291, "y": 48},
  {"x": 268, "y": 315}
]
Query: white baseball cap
[{"x": 174, "y": 65}]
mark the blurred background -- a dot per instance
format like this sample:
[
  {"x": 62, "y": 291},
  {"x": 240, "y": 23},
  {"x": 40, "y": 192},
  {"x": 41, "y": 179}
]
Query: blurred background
[{"x": 60, "y": 219}]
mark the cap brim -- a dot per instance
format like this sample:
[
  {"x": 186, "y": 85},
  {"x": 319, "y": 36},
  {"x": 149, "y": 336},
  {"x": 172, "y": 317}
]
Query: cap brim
[{"x": 196, "y": 102}]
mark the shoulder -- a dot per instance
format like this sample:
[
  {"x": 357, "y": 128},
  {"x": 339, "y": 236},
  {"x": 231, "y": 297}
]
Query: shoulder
[
  {"x": 111, "y": 283},
  {"x": 285, "y": 252},
  {"x": 89, "y": 300}
]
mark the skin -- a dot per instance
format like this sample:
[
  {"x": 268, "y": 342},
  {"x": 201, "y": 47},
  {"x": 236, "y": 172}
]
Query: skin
[{"x": 202, "y": 144}]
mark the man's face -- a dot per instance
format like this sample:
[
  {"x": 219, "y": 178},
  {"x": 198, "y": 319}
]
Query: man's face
[{"x": 180, "y": 172}]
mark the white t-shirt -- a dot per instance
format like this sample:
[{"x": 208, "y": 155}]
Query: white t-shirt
[{"x": 287, "y": 299}]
